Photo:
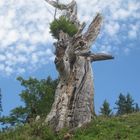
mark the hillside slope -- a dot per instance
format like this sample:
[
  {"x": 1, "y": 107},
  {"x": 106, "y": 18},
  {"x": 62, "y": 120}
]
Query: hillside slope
[{"x": 126, "y": 127}]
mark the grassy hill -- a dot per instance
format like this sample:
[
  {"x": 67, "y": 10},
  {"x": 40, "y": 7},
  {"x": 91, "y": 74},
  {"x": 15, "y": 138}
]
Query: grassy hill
[{"x": 126, "y": 127}]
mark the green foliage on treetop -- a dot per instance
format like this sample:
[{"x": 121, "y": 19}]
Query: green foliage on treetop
[
  {"x": 37, "y": 95},
  {"x": 62, "y": 24}
]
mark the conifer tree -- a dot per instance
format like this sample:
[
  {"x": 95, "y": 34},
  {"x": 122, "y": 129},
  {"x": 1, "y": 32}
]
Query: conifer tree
[
  {"x": 125, "y": 104},
  {"x": 136, "y": 109},
  {"x": 129, "y": 104},
  {"x": 105, "y": 109},
  {"x": 120, "y": 104}
]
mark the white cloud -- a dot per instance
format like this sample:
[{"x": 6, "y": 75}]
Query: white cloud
[
  {"x": 112, "y": 28},
  {"x": 2, "y": 57},
  {"x": 12, "y": 36},
  {"x": 24, "y": 29},
  {"x": 1, "y": 67},
  {"x": 126, "y": 51},
  {"x": 133, "y": 32},
  {"x": 34, "y": 58},
  {"x": 8, "y": 70},
  {"x": 105, "y": 49},
  {"x": 21, "y": 70}
]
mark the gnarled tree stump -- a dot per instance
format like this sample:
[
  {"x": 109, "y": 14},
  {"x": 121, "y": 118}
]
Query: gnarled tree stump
[{"x": 73, "y": 105}]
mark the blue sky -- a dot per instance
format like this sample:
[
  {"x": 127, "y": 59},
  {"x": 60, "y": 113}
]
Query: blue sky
[{"x": 26, "y": 47}]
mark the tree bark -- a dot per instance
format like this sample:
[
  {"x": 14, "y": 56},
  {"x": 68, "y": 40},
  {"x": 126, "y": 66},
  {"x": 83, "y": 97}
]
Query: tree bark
[{"x": 74, "y": 104}]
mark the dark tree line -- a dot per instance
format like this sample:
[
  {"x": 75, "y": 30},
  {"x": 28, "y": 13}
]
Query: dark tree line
[{"x": 124, "y": 105}]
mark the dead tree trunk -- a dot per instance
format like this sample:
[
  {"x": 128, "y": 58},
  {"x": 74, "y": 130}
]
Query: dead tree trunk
[{"x": 73, "y": 105}]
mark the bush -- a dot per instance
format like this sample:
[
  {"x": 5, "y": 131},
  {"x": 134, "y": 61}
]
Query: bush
[{"x": 62, "y": 24}]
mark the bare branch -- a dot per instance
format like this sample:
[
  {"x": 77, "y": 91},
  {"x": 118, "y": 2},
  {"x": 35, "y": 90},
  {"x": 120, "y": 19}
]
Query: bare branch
[
  {"x": 81, "y": 28},
  {"x": 55, "y": 10},
  {"x": 60, "y": 5},
  {"x": 93, "y": 29},
  {"x": 70, "y": 10},
  {"x": 57, "y": 5},
  {"x": 100, "y": 56}
]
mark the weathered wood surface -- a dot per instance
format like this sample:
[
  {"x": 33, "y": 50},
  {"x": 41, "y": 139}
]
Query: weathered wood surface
[{"x": 74, "y": 103}]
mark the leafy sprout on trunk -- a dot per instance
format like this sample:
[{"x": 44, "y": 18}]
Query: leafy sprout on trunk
[{"x": 62, "y": 24}]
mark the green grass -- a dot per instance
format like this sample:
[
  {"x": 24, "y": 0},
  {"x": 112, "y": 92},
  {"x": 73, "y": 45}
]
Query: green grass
[{"x": 126, "y": 127}]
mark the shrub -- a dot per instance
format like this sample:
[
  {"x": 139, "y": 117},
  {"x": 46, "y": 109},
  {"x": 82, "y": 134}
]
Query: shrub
[{"x": 62, "y": 24}]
